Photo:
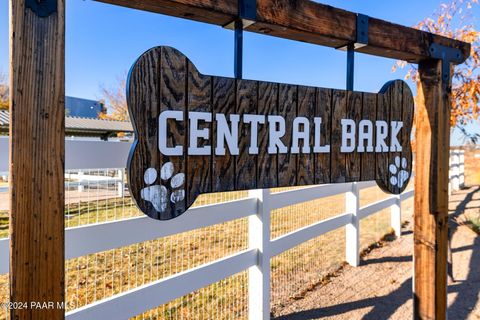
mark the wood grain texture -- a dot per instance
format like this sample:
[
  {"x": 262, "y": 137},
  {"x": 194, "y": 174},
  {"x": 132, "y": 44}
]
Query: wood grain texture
[
  {"x": 369, "y": 112},
  {"x": 246, "y": 164},
  {"x": 324, "y": 110},
  {"x": 223, "y": 167},
  {"x": 383, "y": 113},
  {"x": 267, "y": 163},
  {"x": 37, "y": 126},
  {"x": 337, "y": 159},
  {"x": 144, "y": 94},
  {"x": 431, "y": 193},
  {"x": 173, "y": 81},
  {"x": 287, "y": 106},
  {"x": 408, "y": 104},
  {"x": 381, "y": 159},
  {"x": 395, "y": 112},
  {"x": 306, "y": 161},
  {"x": 199, "y": 92},
  {"x": 164, "y": 80},
  {"x": 307, "y": 21},
  {"x": 354, "y": 112}
]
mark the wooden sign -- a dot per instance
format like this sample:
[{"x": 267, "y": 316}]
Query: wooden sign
[{"x": 197, "y": 134}]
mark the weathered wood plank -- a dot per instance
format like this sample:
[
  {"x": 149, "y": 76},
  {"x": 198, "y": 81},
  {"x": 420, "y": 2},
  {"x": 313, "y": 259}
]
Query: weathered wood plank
[
  {"x": 324, "y": 111},
  {"x": 287, "y": 104},
  {"x": 431, "y": 193},
  {"x": 246, "y": 164},
  {"x": 352, "y": 159},
  {"x": 369, "y": 110},
  {"x": 267, "y": 163},
  {"x": 407, "y": 116},
  {"x": 173, "y": 80},
  {"x": 306, "y": 161},
  {"x": 37, "y": 111},
  {"x": 199, "y": 91},
  {"x": 339, "y": 111},
  {"x": 307, "y": 21},
  {"x": 144, "y": 84},
  {"x": 395, "y": 158},
  {"x": 381, "y": 158},
  {"x": 223, "y": 172}
]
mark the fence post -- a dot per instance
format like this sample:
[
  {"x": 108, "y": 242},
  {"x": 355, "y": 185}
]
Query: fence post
[
  {"x": 396, "y": 216},
  {"x": 259, "y": 275},
  {"x": 81, "y": 187},
  {"x": 454, "y": 165},
  {"x": 430, "y": 238},
  {"x": 37, "y": 158},
  {"x": 121, "y": 183},
  {"x": 352, "y": 239},
  {"x": 461, "y": 177}
]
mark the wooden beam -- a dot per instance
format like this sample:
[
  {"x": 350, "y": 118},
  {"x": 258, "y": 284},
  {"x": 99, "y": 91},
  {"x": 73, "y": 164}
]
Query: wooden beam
[
  {"x": 306, "y": 21},
  {"x": 431, "y": 193},
  {"x": 37, "y": 131}
]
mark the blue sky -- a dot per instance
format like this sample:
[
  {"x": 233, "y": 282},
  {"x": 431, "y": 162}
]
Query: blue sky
[{"x": 102, "y": 42}]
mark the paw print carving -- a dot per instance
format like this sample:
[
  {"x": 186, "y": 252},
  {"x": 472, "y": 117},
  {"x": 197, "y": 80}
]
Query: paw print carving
[
  {"x": 399, "y": 172},
  {"x": 171, "y": 189}
]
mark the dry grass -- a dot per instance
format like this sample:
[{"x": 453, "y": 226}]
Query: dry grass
[{"x": 98, "y": 276}]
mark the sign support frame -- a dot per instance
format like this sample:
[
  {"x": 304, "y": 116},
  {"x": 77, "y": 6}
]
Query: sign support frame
[{"x": 40, "y": 233}]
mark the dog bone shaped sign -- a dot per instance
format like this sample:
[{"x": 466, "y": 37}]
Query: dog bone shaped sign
[{"x": 197, "y": 134}]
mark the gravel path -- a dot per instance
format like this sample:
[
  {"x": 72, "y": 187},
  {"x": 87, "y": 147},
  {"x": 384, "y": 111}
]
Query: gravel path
[{"x": 381, "y": 288}]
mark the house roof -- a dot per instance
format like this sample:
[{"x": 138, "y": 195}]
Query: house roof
[
  {"x": 79, "y": 107},
  {"x": 89, "y": 124},
  {"x": 81, "y": 126}
]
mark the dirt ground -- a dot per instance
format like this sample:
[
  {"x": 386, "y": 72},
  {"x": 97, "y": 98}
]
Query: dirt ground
[
  {"x": 472, "y": 167},
  {"x": 381, "y": 288}
]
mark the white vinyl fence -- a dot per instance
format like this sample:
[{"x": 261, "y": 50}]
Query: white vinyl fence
[
  {"x": 99, "y": 237},
  {"x": 457, "y": 170}
]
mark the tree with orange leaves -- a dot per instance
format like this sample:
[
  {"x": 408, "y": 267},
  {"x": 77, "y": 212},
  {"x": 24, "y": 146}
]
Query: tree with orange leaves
[
  {"x": 116, "y": 101},
  {"x": 454, "y": 20}
]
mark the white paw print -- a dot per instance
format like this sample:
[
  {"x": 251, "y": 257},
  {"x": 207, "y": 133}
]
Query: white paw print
[
  {"x": 158, "y": 195},
  {"x": 398, "y": 171}
]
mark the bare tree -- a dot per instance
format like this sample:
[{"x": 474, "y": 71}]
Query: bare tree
[{"x": 115, "y": 100}]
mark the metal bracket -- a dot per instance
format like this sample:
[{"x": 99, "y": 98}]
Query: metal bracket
[
  {"x": 361, "y": 40},
  {"x": 247, "y": 14},
  {"x": 447, "y": 55},
  {"x": 361, "y": 33},
  {"x": 42, "y": 8}
]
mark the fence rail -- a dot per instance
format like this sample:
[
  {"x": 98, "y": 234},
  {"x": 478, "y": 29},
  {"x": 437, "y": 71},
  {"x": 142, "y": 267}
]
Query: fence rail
[{"x": 100, "y": 237}]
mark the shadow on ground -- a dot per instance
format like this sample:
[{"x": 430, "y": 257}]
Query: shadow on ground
[{"x": 466, "y": 290}]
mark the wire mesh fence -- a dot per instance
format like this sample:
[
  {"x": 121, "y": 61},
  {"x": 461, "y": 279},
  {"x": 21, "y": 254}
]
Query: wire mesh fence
[
  {"x": 101, "y": 195},
  {"x": 226, "y": 299}
]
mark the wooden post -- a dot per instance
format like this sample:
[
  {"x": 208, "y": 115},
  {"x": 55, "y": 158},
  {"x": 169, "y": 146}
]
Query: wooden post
[
  {"x": 37, "y": 138},
  {"x": 431, "y": 192}
]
